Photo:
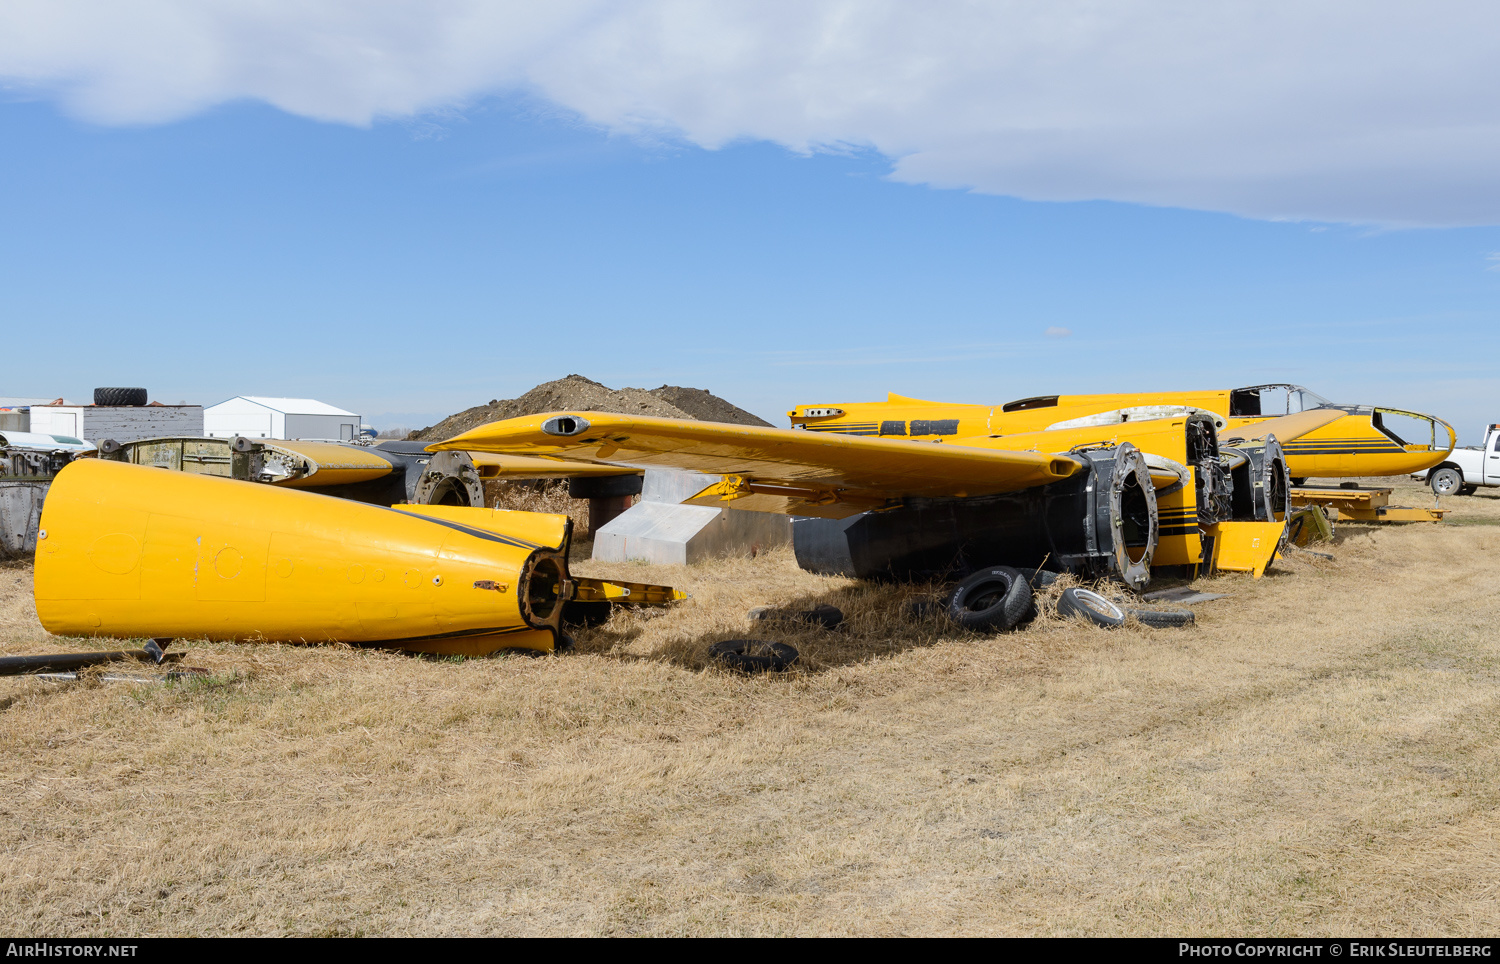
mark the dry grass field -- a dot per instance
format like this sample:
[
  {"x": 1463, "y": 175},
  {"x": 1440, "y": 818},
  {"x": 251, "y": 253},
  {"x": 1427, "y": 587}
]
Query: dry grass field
[{"x": 1320, "y": 755}]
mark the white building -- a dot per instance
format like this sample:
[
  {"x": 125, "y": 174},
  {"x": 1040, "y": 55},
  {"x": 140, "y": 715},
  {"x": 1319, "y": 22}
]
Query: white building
[{"x": 286, "y": 418}]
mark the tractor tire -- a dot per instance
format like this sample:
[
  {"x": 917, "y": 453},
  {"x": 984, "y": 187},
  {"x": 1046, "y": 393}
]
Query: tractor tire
[
  {"x": 121, "y": 397},
  {"x": 992, "y": 600}
]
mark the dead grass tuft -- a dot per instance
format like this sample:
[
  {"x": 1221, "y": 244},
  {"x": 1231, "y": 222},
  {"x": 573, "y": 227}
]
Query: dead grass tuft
[{"x": 541, "y": 496}]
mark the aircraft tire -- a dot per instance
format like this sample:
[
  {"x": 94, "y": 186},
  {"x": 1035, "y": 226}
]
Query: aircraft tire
[
  {"x": 1468, "y": 489},
  {"x": 1091, "y": 606},
  {"x": 1301, "y": 481},
  {"x": 753, "y": 655},
  {"x": 1163, "y": 618},
  {"x": 993, "y": 599}
]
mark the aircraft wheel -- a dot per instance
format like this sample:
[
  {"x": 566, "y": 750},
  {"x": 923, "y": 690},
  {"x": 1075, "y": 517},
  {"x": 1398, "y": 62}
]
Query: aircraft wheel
[
  {"x": 1091, "y": 606},
  {"x": 1301, "y": 481},
  {"x": 1446, "y": 481},
  {"x": 753, "y": 655},
  {"x": 992, "y": 599},
  {"x": 1468, "y": 490}
]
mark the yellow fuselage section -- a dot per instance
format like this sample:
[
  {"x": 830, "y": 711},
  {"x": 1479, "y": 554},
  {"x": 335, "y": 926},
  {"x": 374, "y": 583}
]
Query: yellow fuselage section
[
  {"x": 130, "y": 551},
  {"x": 1351, "y": 446}
]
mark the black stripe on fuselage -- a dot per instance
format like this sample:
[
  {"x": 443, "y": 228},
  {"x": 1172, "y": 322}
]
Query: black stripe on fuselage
[{"x": 471, "y": 531}]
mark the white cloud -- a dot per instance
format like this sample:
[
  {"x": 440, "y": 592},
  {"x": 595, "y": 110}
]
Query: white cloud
[
  {"x": 1056, "y": 332},
  {"x": 1378, "y": 111}
]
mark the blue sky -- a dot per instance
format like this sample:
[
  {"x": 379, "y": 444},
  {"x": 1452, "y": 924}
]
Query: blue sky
[{"x": 410, "y": 264}]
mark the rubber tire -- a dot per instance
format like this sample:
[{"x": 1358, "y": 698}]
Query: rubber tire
[
  {"x": 1039, "y": 578},
  {"x": 1467, "y": 489},
  {"x": 121, "y": 397},
  {"x": 993, "y": 599},
  {"x": 1451, "y": 477},
  {"x": 829, "y": 617},
  {"x": 1163, "y": 618},
  {"x": 749, "y": 656},
  {"x": 1077, "y": 601},
  {"x": 1301, "y": 481}
]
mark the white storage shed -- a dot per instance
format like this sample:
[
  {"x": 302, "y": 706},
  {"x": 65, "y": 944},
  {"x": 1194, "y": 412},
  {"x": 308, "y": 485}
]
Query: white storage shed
[{"x": 254, "y": 416}]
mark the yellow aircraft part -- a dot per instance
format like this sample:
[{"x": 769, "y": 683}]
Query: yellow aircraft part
[
  {"x": 801, "y": 471},
  {"x": 1178, "y": 538},
  {"x": 900, "y": 416},
  {"x": 1353, "y": 446},
  {"x": 1245, "y": 546},
  {"x": 1388, "y": 513},
  {"x": 1286, "y": 428},
  {"x": 629, "y": 593},
  {"x": 328, "y": 464},
  {"x": 533, "y": 528},
  {"x": 492, "y": 466},
  {"x": 132, "y": 552}
]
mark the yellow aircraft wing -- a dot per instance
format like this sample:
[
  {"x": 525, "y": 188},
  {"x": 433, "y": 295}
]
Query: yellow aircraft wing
[
  {"x": 772, "y": 469},
  {"x": 1285, "y": 428},
  {"x": 493, "y": 466},
  {"x": 328, "y": 463}
]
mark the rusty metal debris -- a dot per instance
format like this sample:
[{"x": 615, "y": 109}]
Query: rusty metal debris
[
  {"x": 29, "y": 461},
  {"x": 152, "y": 652},
  {"x": 384, "y": 474}
]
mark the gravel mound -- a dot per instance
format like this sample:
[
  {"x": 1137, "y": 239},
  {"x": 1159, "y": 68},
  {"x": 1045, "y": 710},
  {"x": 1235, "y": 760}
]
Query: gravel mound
[
  {"x": 705, "y": 406},
  {"x": 578, "y": 394}
]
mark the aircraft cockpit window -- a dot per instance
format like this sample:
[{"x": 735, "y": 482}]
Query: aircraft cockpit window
[
  {"x": 1026, "y": 404},
  {"x": 1408, "y": 429},
  {"x": 1269, "y": 401}
]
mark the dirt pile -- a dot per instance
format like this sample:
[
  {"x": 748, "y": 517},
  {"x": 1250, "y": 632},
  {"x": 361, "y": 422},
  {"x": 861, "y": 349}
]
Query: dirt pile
[{"x": 578, "y": 394}]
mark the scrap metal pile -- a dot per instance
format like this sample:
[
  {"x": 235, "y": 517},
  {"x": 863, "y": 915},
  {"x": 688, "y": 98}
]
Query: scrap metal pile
[{"x": 391, "y": 545}]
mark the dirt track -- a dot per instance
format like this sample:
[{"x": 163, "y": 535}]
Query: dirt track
[{"x": 1318, "y": 756}]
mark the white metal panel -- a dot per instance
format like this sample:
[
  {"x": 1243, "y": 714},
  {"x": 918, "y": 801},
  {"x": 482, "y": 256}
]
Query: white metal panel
[{"x": 56, "y": 419}]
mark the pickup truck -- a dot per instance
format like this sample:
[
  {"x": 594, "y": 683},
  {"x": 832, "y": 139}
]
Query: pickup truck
[{"x": 1466, "y": 469}]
